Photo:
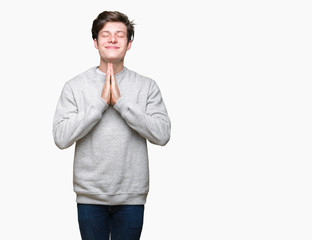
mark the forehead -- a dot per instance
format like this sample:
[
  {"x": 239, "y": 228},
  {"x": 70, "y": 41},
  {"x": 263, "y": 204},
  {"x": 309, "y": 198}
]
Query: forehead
[{"x": 114, "y": 27}]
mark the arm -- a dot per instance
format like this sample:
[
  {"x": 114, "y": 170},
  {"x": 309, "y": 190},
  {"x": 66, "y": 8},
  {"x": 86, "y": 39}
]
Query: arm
[
  {"x": 154, "y": 123},
  {"x": 70, "y": 123}
]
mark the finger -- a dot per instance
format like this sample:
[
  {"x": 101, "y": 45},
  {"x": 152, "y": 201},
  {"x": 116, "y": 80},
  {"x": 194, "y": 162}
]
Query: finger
[
  {"x": 112, "y": 76},
  {"x": 111, "y": 70},
  {"x": 113, "y": 80},
  {"x": 108, "y": 76}
]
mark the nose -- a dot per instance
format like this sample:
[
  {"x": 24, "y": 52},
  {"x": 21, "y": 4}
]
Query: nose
[{"x": 112, "y": 39}]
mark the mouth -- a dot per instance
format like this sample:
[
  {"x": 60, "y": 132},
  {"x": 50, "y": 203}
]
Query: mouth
[{"x": 112, "y": 47}]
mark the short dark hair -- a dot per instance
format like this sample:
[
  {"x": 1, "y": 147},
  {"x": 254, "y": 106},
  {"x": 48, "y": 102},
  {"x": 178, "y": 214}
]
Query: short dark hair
[{"x": 112, "y": 16}]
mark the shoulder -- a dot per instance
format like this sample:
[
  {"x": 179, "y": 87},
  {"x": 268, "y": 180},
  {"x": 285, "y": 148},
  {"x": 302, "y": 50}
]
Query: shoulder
[
  {"x": 141, "y": 79},
  {"x": 82, "y": 78}
]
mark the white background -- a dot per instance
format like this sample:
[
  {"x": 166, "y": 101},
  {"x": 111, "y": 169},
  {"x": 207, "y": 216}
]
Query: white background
[{"x": 236, "y": 80}]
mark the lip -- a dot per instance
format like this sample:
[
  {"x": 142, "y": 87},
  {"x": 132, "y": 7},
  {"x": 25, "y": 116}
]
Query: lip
[{"x": 112, "y": 47}]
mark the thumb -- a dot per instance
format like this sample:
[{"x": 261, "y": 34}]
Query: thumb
[{"x": 113, "y": 80}]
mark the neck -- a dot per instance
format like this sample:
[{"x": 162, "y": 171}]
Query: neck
[{"x": 116, "y": 66}]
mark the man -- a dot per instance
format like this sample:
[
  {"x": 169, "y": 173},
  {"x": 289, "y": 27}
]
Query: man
[{"x": 110, "y": 111}]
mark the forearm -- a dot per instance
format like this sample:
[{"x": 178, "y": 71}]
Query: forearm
[
  {"x": 68, "y": 131},
  {"x": 154, "y": 127},
  {"x": 70, "y": 123}
]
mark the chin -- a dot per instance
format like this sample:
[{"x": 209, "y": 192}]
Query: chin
[{"x": 113, "y": 60}]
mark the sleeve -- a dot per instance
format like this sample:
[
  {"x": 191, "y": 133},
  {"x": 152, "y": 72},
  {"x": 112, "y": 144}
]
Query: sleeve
[
  {"x": 153, "y": 123},
  {"x": 70, "y": 123}
]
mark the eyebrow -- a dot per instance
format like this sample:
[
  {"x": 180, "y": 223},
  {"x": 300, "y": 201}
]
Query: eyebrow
[{"x": 110, "y": 32}]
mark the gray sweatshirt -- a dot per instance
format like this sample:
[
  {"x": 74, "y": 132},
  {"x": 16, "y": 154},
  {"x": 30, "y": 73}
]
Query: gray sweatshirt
[{"x": 111, "y": 159}]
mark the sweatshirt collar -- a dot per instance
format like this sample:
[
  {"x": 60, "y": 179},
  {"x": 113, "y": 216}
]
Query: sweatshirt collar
[{"x": 118, "y": 76}]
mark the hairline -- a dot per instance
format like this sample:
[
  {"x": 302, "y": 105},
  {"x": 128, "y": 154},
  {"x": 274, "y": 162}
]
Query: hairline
[{"x": 111, "y": 31}]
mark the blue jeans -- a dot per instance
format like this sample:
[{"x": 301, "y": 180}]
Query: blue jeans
[{"x": 98, "y": 222}]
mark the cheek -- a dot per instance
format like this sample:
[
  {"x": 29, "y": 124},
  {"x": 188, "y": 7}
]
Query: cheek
[{"x": 102, "y": 43}]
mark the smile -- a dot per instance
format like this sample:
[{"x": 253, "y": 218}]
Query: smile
[{"x": 112, "y": 47}]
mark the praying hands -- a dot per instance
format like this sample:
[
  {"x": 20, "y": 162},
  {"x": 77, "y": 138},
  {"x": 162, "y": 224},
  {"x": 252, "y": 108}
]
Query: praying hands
[{"x": 110, "y": 92}]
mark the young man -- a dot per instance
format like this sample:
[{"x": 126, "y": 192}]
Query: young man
[{"x": 110, "y": 111}]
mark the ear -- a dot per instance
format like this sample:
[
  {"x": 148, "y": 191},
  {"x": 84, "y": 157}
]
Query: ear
[
  {"x": 129, "y": 45},
  {"x": 95, "y": 43}
]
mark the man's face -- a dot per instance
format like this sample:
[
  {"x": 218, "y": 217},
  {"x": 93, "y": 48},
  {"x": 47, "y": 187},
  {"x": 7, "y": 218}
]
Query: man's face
[{"x": 112, "y": 42}]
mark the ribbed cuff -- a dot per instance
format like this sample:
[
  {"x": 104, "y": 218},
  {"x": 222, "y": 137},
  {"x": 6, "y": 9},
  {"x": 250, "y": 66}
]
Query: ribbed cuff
[
  {"x": 121, "y": 106},
  {"x": 101, "y": 104}
]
